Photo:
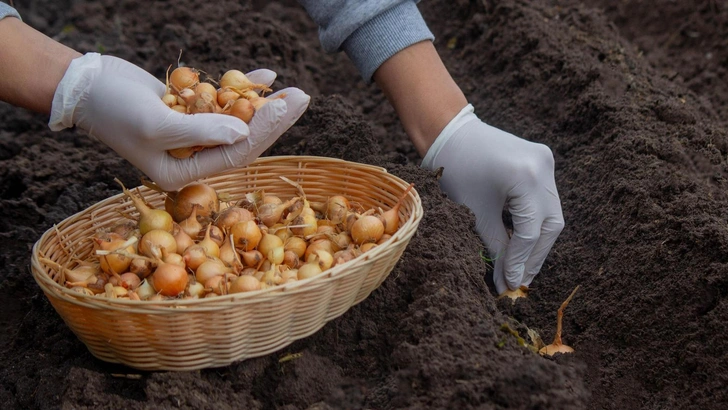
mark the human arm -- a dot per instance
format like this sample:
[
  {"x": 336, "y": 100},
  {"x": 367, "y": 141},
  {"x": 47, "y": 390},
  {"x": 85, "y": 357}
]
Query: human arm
[
  {"x": 483, "y": 167},
  {"x": 33, "y": 64},
  {"x": 120, "y": 104}
]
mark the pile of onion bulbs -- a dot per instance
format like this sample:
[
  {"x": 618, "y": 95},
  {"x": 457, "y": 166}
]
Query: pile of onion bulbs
[
  {"x": 200, "y": 246},
  {"x": 234, "y": 95}
]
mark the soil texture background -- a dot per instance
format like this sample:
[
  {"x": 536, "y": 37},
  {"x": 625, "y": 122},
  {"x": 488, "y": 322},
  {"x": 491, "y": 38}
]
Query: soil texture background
[{"x": 632, "y": 98}]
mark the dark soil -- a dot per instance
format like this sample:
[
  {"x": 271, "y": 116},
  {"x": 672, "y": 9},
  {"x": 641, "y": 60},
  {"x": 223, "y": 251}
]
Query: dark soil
[{"x": 631, "y": 96}]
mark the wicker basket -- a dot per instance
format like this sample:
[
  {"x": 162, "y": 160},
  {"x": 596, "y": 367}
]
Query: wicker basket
[{"x": 209, "y": 332}]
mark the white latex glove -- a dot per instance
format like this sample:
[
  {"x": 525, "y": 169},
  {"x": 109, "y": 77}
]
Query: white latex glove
[
  {"x": 486, "y": 168},
  {"x": 120, "y": 104}
]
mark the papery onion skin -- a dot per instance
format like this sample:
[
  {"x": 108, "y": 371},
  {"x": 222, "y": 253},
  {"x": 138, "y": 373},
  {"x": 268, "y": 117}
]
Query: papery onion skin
[
  {"x": 169, "y": 279},
  {"x": 245, "y": 283},
  {"x": 183, "y": 77},
  {"x": 247, "y": 235},
  {"x": 181, "y": 203},
  {"x": 368, "y": 228}
]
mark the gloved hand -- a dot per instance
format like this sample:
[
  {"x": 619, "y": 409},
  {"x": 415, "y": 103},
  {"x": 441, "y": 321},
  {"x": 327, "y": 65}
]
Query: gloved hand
[
  {"x": 120, "y": 104},
  {"x": 486, "y": 168}
]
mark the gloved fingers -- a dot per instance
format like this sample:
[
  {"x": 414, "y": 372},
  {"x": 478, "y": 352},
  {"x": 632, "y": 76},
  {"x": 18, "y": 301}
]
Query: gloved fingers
[
  {"x": 262, "y": 76},
  {"x": 177, "y": 130},
  {"x": 550, "y": 231},
  {"x": 296, "y": 103},
  {"x": 495, "y": 237},
  {"x": 527, "y": 224},
  {"x": 119, "y": 67},
  {"x": 498, "y": 278},
  {"x": 266, "y": 119},
  {"x": 213, "y": 160}
]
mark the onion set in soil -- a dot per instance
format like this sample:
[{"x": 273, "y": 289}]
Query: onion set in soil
[
  {"x": 233, "y": 95},
  {"x": 201, "y": 246},
  {"x": 557, "y": 346}
]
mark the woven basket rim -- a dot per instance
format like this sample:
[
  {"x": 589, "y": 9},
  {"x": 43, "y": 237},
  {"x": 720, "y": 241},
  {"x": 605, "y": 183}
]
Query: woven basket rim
[{"x": 40, "y": 271}]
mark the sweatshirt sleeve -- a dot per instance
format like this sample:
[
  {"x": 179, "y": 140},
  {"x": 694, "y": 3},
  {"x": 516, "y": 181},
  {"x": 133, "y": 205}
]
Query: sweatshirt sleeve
[
  {"x": 369, "y": 32},
  {"x": 7, "y": 11}
]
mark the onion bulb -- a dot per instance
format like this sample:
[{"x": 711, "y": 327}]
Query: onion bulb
[
  {"x": 269, "y": 242},
  {"x": 181, "y": 203},
  {"x": 236, "y": 80},
  {"x": 141, "y": 267},
  {"x": 390, "y": 218},
  {"x": 194, "y": 256},
  {"x": 345, "y": 255},
  {"x": 336, "y": 208},
  {"x": 229, "y": 255},
  {"x": 323, "y": 258},
  {"x": 149, "y": 218},
  {"x": 211, "y": 247},
  {"x": 185, "y": 97},
  {"x": 297, "y": 245},
  {"x": 247, "y": 235},
  {"x": 217, "y": 284},
  {"x": 216, "y": 234},
  {"x": 270, "y": 213},
  {"x": 304, "y": 225},
  {"x": 252, "y": 258},
  {"x": 184, "y": 241},
  {"x": 282, "y": 231},
  {"x": 174, "y": 258},
  {"x": 130, "y": 280},
  {"x": 195, "y": 290},
  {"x": 190, "y": 225},
  {"x": 242, "y": 109},
  {"x": 183, "y": 77},
  {"x": 521, "y": 292},
  {"x": 290, "y": 259},
  {"x": 368, "y": 228},
  {"x": 309, "y": 270},
  {"x": 155, "y": 241},
  {"x": 145, "y": 290},
  {"x": 202, "y": 103},
  {"x": 226, "y": 96},
  {"x": 276, "y": 255},
  {"x": 169, "y": 279},
  {"x": 205, "y": 88},
  {"x": 231, "y": 216},
  {"x": 81, "y": 275},
  {"x": 209, "y": 268},
  {"x": 319, "y": 245},
  {"x": 249, "y": 94},
  {"x": 169, "y": 100},
  {"x": 111, "y": 262},
  {"x": 557, "y": 346},
  {"x": 245, "y": 283}
]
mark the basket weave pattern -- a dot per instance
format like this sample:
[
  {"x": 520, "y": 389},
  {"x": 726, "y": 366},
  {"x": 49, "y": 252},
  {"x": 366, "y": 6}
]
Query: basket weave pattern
[{"x": 189, "y": 334}]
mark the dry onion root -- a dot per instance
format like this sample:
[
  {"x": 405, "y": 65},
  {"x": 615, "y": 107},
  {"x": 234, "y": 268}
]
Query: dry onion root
[
  {"x": 557, "y": 346},
  {"x": 208, "y": 250},
  {"x": 235, "y": 95}
]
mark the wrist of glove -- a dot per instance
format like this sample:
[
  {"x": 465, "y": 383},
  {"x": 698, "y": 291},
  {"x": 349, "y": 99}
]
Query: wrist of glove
[
  {"x": 120, "y": 104},
  {"x": 486, "y": 169}
]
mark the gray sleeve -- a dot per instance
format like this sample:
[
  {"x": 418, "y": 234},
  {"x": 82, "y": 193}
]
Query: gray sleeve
[
  {"x": 369, "y": 32},
  {"x": 7, "y": 11}
]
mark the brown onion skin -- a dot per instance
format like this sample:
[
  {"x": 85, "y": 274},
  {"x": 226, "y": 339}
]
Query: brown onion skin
[
  {"x": 180, "y": 204},
  {"x": 169, "y": 279}
]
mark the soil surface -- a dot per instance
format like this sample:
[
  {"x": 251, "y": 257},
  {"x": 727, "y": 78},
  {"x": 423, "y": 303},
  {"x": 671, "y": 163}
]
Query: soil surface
[{"x": 632, "y": 98}]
